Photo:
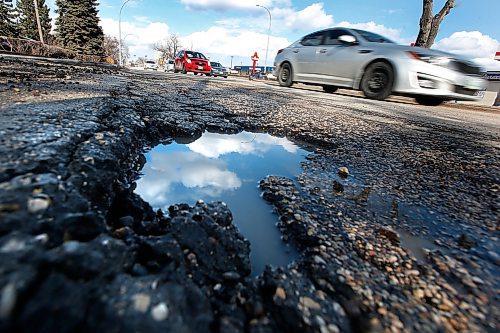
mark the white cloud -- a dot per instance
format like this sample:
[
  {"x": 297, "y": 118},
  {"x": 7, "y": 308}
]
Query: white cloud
[
  {"x": 138, "y": 35},
  {"x": 201, "y": 175},
  {"x": 222, "y": 5},
  {"x": 471, "y": 44},
  {"x": 212, "y": 145},
  {"x": 220, "y": 41},
  {"x": 310, "y": 18}
]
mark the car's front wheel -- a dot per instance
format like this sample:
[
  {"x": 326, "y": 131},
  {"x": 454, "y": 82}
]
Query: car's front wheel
[
  {"x": 330, "y": 89},
  {"x": 184, "y": 71},
  {"x": 378, "y": 80},
  {"x": 429, "y": 100},
  {"x": 285, "y": 75}
]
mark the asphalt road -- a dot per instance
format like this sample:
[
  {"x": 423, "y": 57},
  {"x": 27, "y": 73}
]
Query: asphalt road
[{"x": 406, "y": 240}]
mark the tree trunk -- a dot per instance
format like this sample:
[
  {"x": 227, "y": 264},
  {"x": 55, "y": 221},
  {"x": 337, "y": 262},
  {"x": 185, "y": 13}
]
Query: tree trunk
[
  {"x": 436, "y": 21},
  {"x": 429, "y": 25},
  {"x": 425, "y": 23}
]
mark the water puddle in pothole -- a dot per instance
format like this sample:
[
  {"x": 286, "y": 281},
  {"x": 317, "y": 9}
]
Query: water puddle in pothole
[{"x": 221, "y": 167}]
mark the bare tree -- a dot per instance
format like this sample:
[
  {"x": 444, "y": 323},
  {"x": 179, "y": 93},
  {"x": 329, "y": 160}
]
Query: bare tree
[
  {"x": 168, "y": 48},
  {"x": 429, "y": 24},
  {"x": 111, "y": 48}
]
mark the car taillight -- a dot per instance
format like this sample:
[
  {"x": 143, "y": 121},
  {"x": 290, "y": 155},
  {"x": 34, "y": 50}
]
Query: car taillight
[{"x": 279, "y": 51}]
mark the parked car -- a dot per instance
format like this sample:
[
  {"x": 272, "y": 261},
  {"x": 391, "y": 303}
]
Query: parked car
[
  {"x": 352, "y": 58},
  {"x": 169, "y": 65},
  {"x": 150, "y": 64},
  {"x": 192, "y": 61},
  {"x": 218, "y": 70}
]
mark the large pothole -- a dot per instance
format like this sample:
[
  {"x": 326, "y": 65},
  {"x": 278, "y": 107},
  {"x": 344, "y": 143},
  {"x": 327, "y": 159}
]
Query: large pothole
[{"x": 221, "y": 167}]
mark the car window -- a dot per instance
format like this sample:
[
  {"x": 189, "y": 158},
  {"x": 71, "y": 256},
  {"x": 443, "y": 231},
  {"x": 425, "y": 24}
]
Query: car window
[
  {"x": 332, "y": 37},
  {"x": 150, "y": 62},
  {"x": 198, "y": 55},
  {"x": 215, "y": 64},
  {"x": 313, "y": 39},
  {"x": 371, "y": 37},
  {"x": 170, "y": 61}
]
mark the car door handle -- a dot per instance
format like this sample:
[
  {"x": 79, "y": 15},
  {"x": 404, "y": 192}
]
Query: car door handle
[
  {"x": 322, "y": 51},
  {"x": 365, "y": 51},
  {"x": 295, "y": 51}
]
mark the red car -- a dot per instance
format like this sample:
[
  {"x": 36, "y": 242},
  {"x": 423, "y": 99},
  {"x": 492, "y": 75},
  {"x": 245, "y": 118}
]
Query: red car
[{"x": 192, "y": 61}]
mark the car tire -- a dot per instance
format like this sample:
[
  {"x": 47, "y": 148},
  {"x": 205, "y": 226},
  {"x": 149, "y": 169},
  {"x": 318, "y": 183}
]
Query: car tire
[
  {"x": 195, "y": 73},
  {"x": 285, "y": 75},
  {"x": 330, "y": 89},
  {"x": 225, "y": 77},
  {"x": 175, "y": 70},
  {"x": 378, "y": 80},
  {"x": 208, "y": 74},
  {"x": 184, "y": 71},
  {"x": 429, "y": 100}
]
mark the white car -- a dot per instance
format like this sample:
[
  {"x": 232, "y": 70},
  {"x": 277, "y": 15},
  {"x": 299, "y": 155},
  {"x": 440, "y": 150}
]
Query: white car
[
  {"x": 169, "y": 65},
  {"x": 357, "y": 59},
  {"x": 150, "y": 64}
]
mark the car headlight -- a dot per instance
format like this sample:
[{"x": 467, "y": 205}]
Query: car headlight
[
  {"x": 431, "y": 59},
  {"x": 188, "y": 60}
]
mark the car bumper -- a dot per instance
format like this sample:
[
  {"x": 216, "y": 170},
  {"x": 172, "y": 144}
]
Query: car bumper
[
  {"x": 219, "y": 73},
  {"x": 198, "y": 69},
  {"x": 420, "y": 78}
]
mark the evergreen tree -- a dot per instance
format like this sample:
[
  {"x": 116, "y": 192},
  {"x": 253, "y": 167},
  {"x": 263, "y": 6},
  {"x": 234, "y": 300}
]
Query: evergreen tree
[
  {"x": 8, "y": 27},
  {"x": 28, "y": 27},
  {"x": 77, "y": 26}
]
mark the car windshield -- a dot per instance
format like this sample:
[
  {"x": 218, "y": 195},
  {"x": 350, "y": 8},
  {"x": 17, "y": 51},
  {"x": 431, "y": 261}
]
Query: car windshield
[
  {"x": 150, "y": 62},
  {"x": 371, "y": 37},
  {"x": 197, "y": 55},
  {"x": 215, "y": 64}
]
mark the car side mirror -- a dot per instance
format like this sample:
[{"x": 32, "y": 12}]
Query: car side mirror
[{"x": 348, "y": 39}]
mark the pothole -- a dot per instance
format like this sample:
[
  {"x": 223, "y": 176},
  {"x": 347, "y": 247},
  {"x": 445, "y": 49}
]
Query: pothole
[{"x": 222, "y": 167}]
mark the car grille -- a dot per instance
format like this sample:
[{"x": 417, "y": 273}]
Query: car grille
[
  {"x": 465, "y": 91},
  {"x": 465, "y": 67}
]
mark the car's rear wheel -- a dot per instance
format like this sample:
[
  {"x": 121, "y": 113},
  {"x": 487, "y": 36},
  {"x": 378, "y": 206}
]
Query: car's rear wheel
[
  {"x": 429, "y": 100},
  {"x": 184, "y": 71},
  {"x": 285, "y": 75},
  {"x": 225, "y": 77},
  {"x": 378, "y": 80},
  {"x": 195, "y": 73},
  {"x": 330, "y": 89}
]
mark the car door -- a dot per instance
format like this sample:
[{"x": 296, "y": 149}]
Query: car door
[
  {"x": 304, "y": 54},
  {"x": 340, "y": 61},
  {"x": 178, "y": 60}
]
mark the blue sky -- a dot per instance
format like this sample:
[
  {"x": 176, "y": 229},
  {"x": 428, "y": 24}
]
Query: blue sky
[{"x": 225, "y": 28}]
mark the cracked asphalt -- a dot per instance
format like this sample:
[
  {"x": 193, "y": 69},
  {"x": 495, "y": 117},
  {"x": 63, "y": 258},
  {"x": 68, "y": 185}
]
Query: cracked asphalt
[{"x": 403, "y": 240}]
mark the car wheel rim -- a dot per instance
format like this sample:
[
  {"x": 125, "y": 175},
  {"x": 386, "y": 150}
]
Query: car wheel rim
[
  {"x": 284, "y": 74},
  {"x": 378, "y": 81}
]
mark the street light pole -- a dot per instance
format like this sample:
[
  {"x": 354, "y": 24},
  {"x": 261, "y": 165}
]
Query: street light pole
[
  {"x": 120, "y": 34},
  {"x": 268, "y": 34}
]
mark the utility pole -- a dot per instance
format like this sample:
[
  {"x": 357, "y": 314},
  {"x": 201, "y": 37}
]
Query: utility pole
[
  {"x": 40, "y": 33},
  {"x": 232, "y": 62}
]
